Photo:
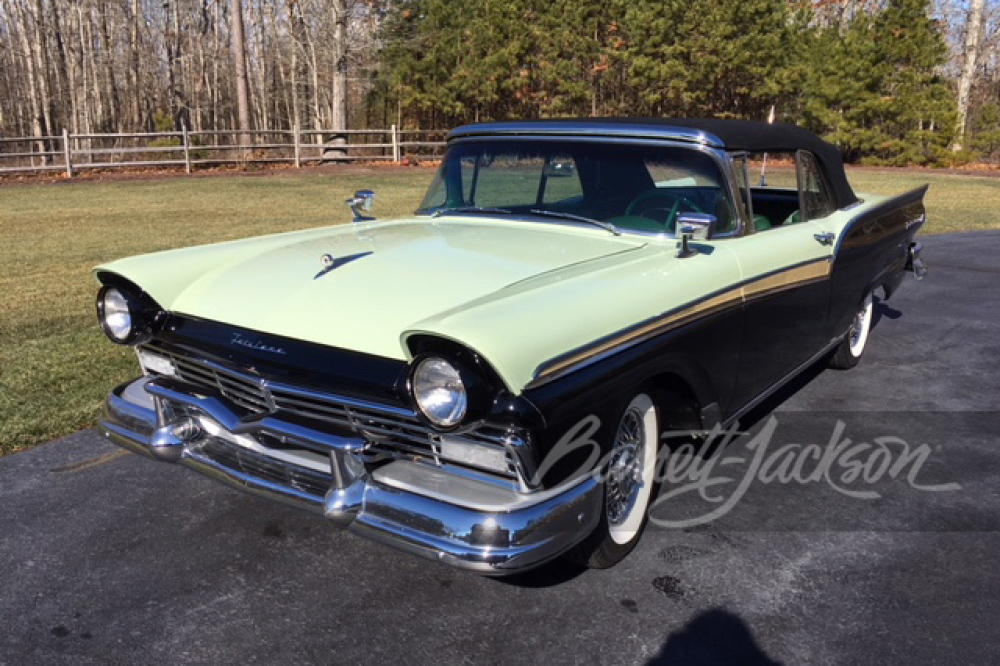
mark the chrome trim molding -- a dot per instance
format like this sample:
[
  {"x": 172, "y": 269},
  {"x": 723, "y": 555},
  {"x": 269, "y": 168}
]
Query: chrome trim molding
[
  {"x": 390, "y": 430},
  {"x": 716, "y": 152},
  {"x": 465, "y": 522},
  {"x": 598, "y": 129},
  {"x": 742, "y": 411}
]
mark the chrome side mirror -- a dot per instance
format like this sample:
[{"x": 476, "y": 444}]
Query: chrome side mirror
[
  {"x": 360, "y": 204},
  {"x": 696, "y": 226}
]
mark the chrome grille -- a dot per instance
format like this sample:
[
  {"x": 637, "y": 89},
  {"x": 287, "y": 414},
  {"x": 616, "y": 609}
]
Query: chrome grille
[
  {"x": 239, "y": 458},
  {"x": 247, "y": 392},
  {"x": 392, "y": 431}
]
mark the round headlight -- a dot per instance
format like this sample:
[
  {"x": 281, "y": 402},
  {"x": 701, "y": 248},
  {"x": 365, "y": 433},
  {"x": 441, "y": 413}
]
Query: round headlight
[
  {"x": 116, "y": 318},
  {"x": 439, "y": 392}
]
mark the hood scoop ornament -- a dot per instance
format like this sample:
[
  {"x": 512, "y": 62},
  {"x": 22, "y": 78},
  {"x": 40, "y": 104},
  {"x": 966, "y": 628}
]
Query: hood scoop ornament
[{"x": 330, "y": 262}]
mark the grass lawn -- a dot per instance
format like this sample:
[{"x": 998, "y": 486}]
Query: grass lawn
[
  {"x": 954, "y": 202},
  {"x": 56, "y": 365}
]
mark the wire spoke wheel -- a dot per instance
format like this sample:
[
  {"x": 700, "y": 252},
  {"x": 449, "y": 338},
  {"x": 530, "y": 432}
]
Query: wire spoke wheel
[
  {"x": 624, "y": 472},
  {"x": 629, "y": 477}
]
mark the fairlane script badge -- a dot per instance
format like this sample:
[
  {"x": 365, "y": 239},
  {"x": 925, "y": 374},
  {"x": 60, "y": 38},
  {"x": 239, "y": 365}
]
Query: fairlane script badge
[{"x": 256, "y": 345}]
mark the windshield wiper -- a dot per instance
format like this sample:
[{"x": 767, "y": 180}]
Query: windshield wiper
[
  {"x": 464, "y": 210},
  {"x": 577, "y": 218}
]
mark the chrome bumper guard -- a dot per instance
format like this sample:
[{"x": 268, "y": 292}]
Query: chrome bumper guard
[
  {"x": 913, "y": 261},
  {"x": 460, "y": 521}
]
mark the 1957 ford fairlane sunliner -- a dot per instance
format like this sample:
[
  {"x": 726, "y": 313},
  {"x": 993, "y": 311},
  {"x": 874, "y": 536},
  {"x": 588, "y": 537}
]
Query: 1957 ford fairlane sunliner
[{"x": 415, "y": 380}]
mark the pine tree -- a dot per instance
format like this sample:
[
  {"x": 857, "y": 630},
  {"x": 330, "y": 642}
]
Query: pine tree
[
  {"x": 723, "y": 58},
  {"x": 877, "y": 90}
]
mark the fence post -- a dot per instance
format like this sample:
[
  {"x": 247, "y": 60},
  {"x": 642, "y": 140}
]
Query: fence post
[
  {"x": 67, "y": 154},
  {"x": 395, "y": 145},
  {"x": 298, "y": 146},
  {"x": 187, "y": 149}
]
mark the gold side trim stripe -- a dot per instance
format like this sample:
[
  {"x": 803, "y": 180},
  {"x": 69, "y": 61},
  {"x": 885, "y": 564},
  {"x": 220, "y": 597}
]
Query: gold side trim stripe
[
  {"x": 550, "y": 371},
  {"x": 793, "y": 277},
  {"x": 759, "y": 288}
]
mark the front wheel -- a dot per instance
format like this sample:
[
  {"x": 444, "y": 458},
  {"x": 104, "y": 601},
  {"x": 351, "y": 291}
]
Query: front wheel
[
  {"x": 853, "y": 346},
  {"x": 629, "y": 480}
]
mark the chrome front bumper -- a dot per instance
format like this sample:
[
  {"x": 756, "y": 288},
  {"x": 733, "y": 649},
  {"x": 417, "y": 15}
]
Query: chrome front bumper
[{"x": 409, "y": 505}]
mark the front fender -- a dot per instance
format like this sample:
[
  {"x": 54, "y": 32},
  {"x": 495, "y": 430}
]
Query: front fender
[{"x": 702, "y": 357}]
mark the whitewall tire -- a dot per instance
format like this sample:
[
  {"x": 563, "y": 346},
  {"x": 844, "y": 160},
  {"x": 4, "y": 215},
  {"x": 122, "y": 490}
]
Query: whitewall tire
[
  {"x": 629, "y": 485},
  {"x": 853, "y": 346}
]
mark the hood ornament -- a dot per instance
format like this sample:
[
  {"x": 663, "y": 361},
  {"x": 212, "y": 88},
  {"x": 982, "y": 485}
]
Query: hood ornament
[
  {"x": 360, "y": 204},
  {"x": 330, "y": 262}
]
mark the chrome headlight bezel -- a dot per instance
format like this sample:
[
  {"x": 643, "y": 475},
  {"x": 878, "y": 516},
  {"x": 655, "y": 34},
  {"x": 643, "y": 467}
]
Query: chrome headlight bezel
[
  {"x": 115, "y": 301},
  {"x": 432, "y": 379},
  {"x": 477, "y": 393}
]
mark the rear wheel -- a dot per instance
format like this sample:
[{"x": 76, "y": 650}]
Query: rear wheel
[
  {"x": 629, "y": 482},
  {"x": 853, "y": 345}
]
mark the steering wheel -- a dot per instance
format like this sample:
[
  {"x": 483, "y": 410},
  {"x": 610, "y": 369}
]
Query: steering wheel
[{"x": 661, "y": 205}]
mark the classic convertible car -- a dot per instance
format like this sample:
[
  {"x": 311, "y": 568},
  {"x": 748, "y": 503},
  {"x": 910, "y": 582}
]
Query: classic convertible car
[{"x": 427, "y": 382}]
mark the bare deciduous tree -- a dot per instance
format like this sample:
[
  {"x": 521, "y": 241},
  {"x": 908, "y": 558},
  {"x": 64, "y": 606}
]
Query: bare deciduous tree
[
  {"x": 132, "y": 65},
  {"x": 240, "y": 65},
  {"x": 973, "y": 42}
]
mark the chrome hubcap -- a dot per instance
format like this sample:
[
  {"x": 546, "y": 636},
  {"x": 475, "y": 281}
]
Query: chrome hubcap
[
  {"x": 858, "y": 332},
  {"x": 625, "y": 469},
  {"x": 857, "y": 326}
]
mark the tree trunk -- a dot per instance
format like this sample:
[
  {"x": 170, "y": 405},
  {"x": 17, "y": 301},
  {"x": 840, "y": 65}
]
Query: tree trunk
[
  {"x": 63, "y": 93},
  {"x": 339, "y": 88},
  {"x": 37, "y": 115},
  {"x": 240, "y": 63},
  {"x": 216, "y": 94},
  {"x": 40, "y": 54},
  {"x": 295, "y": 23},
  {"x": 114, "y": 97},
  {"x": 135, "y": 47},
  {"x": 260, "y": 58},
  {"x": 973, "y": 41}
]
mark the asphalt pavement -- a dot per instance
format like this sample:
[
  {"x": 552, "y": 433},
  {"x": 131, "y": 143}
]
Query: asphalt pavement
[{"x": 889, "y": 556}]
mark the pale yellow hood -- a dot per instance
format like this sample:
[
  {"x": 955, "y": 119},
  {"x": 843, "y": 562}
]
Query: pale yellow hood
[{"x": 385, "y": 277}]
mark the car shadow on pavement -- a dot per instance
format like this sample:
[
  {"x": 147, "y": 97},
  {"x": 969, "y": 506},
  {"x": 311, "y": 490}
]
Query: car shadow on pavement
[
  {"x": 716, "y": 637},
  {"x": 554, "y": 573},
  {"x": 883, "y": 310}
]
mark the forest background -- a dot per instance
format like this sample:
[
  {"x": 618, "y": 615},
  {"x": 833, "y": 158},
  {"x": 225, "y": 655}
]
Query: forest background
[{"x": 894, "y": 82}]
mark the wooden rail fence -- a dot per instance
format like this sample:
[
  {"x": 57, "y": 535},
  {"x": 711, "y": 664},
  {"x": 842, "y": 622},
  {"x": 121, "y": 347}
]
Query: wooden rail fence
[{"x": 190, "y": 149}]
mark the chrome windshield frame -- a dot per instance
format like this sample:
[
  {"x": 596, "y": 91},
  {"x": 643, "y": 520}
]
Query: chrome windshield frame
[
  {"x": 693, "y": 141},
  {"x": 593, "y": 129}
]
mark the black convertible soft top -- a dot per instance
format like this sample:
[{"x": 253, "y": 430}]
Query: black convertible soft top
[{"x": 729, "y": 134}]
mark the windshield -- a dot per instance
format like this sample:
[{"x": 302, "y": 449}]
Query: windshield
[{"x": 634, "y": 187}]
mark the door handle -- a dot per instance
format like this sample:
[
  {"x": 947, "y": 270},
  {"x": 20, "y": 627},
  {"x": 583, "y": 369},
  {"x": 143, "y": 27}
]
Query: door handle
[{"x": 825, "y": 239}]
